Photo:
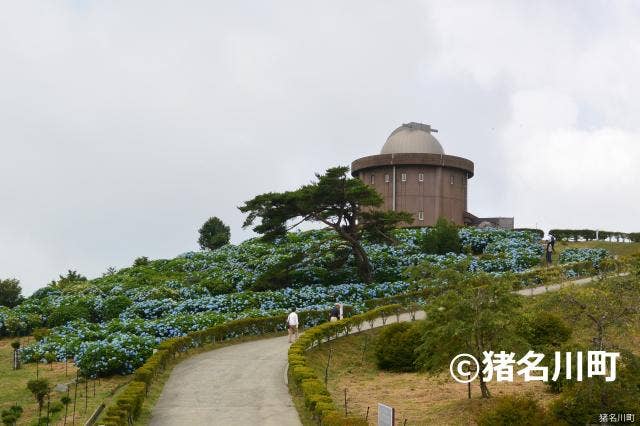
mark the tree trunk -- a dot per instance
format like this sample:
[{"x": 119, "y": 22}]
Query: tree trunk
[
  {"x": 483, "y": 387},
  {"x": 600, "y": 338},
  {"x": 362, "y": 261}
]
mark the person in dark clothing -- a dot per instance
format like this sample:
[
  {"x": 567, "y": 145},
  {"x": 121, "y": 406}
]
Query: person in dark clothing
[
  {"x": 549, "y": 251},
  {"x": 553, "y": 242},
  {"x": 335, "y": 313}
]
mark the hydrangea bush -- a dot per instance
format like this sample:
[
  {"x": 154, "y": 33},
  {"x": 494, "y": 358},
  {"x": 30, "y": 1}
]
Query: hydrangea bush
[
  {"x": 593, "y": 255},
  {"x": 127, "y": 313}
]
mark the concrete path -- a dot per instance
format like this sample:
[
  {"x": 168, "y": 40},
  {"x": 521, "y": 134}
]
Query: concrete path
[
  {"x": 553, "y": 287},
  {"x": 236, "y": 385},
  {"x": 245, "y": 384}
]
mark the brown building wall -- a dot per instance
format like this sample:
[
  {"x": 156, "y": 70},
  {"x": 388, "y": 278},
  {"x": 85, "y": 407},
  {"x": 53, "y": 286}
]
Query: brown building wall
[{"x": 442, "y": 191}]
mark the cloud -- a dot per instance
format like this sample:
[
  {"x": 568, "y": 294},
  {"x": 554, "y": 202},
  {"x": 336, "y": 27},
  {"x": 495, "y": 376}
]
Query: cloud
[{"x": 125, "y": 125}]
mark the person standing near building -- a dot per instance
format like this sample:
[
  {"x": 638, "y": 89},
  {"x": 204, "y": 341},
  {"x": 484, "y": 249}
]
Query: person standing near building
[{"x": 292, "y": 325}]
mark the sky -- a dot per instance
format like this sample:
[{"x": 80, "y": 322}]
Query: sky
[{"x": 124, "y": 125}]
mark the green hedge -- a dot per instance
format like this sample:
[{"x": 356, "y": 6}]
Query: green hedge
[
  {"x": 559, "y": 273},
  {"x": 127, "y": 405},
  {"x": 538, "y": 232},
  {"x": 405, "y": 299},
  {"x": 316, "y": 396},
  {"x": 590, "y": 234}
]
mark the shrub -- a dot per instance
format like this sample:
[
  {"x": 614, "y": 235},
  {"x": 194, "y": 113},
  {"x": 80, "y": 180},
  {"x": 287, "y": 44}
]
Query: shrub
[
  {"x": 583, "y": 402},
  {"x": 280, "y": 275},
  {"x": 395, "y": 347},
  {"x": 40, "y": 333},
  {"x": 113, "y": 306},
  {"x": 593, "y": 255},
  {"x": 55, "y": 407},
  {"x": 141, "y": 261},
  {"x": 10, "y": 293},
  {"x": 546, "y": 330},
  {"x": 443, "y": 238},
  {"x": 69, "y": 312},
  {"x": 302, "y": 373},
  {"x": 39, "y": 388},
  {"x": 513, "y": 410},
  {"x": 334, "y": 418},
  {"x": 539, "y": 233},
  {"x": 11, "y": 416},
  {"x": 213, "y": 234}
]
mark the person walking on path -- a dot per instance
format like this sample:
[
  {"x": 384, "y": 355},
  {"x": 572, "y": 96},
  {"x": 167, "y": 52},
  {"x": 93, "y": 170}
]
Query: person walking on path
[
  {"x": 335, "y": 313},
  {"x": 292, "y": 325}
]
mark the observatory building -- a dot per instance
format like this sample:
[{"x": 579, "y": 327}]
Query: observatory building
[{"x": 413, "y": 174}]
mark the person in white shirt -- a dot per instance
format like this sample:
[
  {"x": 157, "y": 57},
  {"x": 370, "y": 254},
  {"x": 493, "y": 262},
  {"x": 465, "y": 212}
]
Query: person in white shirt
[{"x": 292, "y": 325}]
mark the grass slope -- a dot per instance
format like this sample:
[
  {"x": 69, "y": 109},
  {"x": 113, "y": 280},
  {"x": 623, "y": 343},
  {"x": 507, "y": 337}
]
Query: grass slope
[
  {"x": 14, "y": 388},
  {"x": 430, "y": 399}
]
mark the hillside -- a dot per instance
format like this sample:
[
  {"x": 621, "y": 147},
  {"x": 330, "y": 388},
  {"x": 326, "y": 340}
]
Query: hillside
[{"x": 111, "y": 324}]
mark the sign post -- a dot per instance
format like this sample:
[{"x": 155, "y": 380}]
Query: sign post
[{"x": 386, "y": 415}]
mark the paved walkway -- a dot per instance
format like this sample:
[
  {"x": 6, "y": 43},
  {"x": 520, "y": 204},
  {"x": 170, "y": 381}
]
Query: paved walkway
[
  {"x": 236, "y": 385},
  {"x": 553, "y": 287},
  {"x": 245, "y": 384}
]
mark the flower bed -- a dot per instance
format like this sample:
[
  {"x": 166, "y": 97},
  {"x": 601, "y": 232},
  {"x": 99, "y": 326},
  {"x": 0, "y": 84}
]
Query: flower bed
[
  {"x": 593, "y": 255},
  {"x": 135, "y": 309}
]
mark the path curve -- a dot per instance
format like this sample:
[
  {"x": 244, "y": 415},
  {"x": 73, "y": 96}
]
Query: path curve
[
  {"x": 238, "y": 385},
  {"x": 245, "y": 384}
]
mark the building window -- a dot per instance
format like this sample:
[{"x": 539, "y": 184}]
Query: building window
[
  {"x": 420, "y": 215},
  {"x": 404, "y": 177},
  {"x": 453, "y": 179},
  {"x": 386, "y": 178},
  {"x": 373, "y": 179},
  {"x": 420, "y": 177}
]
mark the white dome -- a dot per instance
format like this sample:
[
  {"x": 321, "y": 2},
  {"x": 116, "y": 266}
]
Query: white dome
[{"x": 412, "y": 138}]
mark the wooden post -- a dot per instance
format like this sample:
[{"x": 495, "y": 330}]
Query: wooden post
[
  {"x": 326, "y": 370},
  {"x": 364, "y": 349},
  {"x": 75, "y": 399},
  {"x": 48, "y": 407},
  {"x": 345, "y": 402}
]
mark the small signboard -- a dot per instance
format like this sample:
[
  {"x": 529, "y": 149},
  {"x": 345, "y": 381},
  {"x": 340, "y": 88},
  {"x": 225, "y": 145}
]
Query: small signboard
[{"x": 386, "y": 415}]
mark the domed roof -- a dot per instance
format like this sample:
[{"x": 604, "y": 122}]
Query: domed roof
[{"x": 412, "y": 138}]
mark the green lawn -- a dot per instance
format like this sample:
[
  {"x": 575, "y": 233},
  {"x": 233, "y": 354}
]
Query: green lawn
[{"x": 14, "y": 388}]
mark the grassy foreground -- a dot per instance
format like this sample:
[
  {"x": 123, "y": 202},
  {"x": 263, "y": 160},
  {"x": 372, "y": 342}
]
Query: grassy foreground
[
  {"x": 14, "y": 388},
  {"x": 419, "y": 398},
  {"x": 424, "y": 399}
]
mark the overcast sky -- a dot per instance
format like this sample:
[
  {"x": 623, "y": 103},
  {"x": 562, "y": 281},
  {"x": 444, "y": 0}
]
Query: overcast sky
[{"x": 124, "y": 125}]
